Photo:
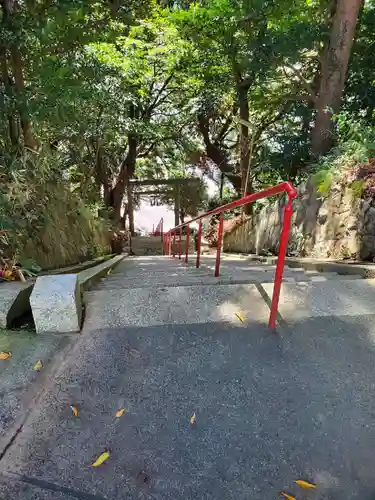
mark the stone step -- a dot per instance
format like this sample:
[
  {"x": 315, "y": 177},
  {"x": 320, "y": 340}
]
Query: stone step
[
  {"x": 159, "y": 279},
  {"x": 335, "y": 297},
  {"x": 190, "y": 280},
  {"x": 333, "y": 276},
  {"x": 174, "y": 305},
  {"x": 164, "y": 269}
]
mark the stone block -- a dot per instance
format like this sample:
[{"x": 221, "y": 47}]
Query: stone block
[
  {"x": 14, "y": 301},
  {"x": 56, "y": 304}
]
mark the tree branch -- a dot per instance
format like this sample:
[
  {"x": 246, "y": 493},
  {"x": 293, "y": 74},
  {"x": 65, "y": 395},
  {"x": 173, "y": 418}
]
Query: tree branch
[
  {"x": 302, "y": 79},
  {"x": 226, "y": 127},
  {"x": 156, "y": 101}
]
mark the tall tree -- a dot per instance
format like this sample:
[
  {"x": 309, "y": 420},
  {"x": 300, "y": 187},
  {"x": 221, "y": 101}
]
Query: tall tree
[
  {"x": 13, "y": 72},
  {"x": 333, "y": 73}
]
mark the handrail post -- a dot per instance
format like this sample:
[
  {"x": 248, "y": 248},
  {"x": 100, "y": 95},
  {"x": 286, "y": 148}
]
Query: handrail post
[
  {"x": 169, "y": 243},
  {"x": 187, "y": 243},
  {"x": 180, "y": 244},
  {"x": 284, "y": 237},
  {"x": 219, "y": 243},
  {"x": 161, "y": 228},
  {"x": 199, "y": 238},
  {"x": 174, "y": 244}
]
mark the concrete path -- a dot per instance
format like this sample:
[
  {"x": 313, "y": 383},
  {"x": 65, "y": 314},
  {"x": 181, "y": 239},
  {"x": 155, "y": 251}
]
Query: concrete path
[
  {"x": 270, "y": 409},
  {"x": 20, "y": 385}
]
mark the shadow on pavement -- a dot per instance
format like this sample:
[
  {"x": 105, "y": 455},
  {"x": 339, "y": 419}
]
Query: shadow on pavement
[{"x": 270, "y": 409}]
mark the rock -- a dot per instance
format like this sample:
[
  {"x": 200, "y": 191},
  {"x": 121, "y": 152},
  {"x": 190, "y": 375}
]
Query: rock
[
  {"x": 56, "y": 304},
  {"x": 322, "y": 216}
]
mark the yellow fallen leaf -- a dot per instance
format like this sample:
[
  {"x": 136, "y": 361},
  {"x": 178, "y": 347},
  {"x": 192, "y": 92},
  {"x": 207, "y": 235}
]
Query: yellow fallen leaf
[
  {"x": 193, "y": 419},
  {"x": 38, "y": 366},
  {"x": 120, "y": 413},
  {"x": 74, "y": 410},
  {"x": 306, "y": 485},
  {"x": 101, "y": 458},
  {"x": 286, "y": 496},
  {"x": 240, "y": 316},
  {"x": 8, "y": 274},
  {"x": 5, "y": 355}
]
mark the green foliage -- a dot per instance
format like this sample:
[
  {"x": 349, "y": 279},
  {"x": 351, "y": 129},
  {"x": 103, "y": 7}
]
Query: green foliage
[
  {"x": 323, "y": 180},
  {"x": 216, "y": 201},
  {"x": 41, "y": 221},
  {"x": 357, "y": 188},
  {"x": 354, "y": 147},
  {"x": 165, "y": 81}
]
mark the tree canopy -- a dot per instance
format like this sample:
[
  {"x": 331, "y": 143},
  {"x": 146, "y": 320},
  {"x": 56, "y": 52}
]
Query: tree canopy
[{"x": 111, "y": 90}]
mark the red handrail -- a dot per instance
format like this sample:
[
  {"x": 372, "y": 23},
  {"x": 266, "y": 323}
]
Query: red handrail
[{"x": 285, "y": 187}]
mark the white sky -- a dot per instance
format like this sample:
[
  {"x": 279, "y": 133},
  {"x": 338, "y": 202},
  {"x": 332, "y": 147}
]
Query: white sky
[{"x": 149, "y": 216}]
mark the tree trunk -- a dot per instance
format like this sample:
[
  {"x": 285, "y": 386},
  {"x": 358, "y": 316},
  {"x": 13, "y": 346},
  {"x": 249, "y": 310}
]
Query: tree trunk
[
  {"x": 9, "y": 8},
  {"x": 334, "y": 70},
  {"x": 130, "y": 208},
  {"x": 13, "y": 125},
  {"x": 244, "y": 137},
  {"x": 126, "y": 172},
  {"x": 17, "y": 69},
  {"x": 218, "y": 154}
]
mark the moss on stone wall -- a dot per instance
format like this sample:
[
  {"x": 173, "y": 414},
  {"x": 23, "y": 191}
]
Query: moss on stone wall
[
  {"x": 42, "y": 220},
  {"x": 69, "y": 233}
]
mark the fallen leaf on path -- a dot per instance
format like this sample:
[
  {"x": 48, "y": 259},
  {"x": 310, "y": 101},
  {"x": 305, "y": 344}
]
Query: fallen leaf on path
[
  {"x": 5, "y": 355},
  {"x": 193, "y": 419},
  {"x": 286, "y": 496},
  {"x": 240, "y": 316},
  {"x": 120, "y": 413},
  {"x": 305, "y": 484},
  {"x": 74, "y": 410},
  {"x": 101, "y": 458},
  {"x": 38, "y": 366}
]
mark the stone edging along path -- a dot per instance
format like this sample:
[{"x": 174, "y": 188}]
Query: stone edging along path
[
  {"x": 56, "y": 300},
  {"x": 15, "y": 295},
  {"x": 364, "y": 269}
]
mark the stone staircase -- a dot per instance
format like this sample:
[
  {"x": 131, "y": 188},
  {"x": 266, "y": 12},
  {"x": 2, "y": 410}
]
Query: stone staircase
[
  {"x": 147, "y": 245},
  {"x": 140, "y": 272},
  {"x": 154, "y": 290}
]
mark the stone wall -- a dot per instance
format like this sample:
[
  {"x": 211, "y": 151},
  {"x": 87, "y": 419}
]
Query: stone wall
[
  {"x": 66, "y": 232},
  {"x": 338, "y": 226}
]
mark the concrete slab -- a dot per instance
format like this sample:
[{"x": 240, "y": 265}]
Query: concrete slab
[
  {"x": 56, "y": 304},
  {"x": 174, "y": 305},
  {"x": 19, "y": 383},
  {"x": 14, "y": 301},
  {"x": 270, "y": 409},
  {"x": 330, "y": 298}
]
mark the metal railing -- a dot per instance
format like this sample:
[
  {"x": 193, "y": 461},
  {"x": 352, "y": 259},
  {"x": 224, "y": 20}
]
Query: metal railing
[{"x": 169, "y": 238}]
